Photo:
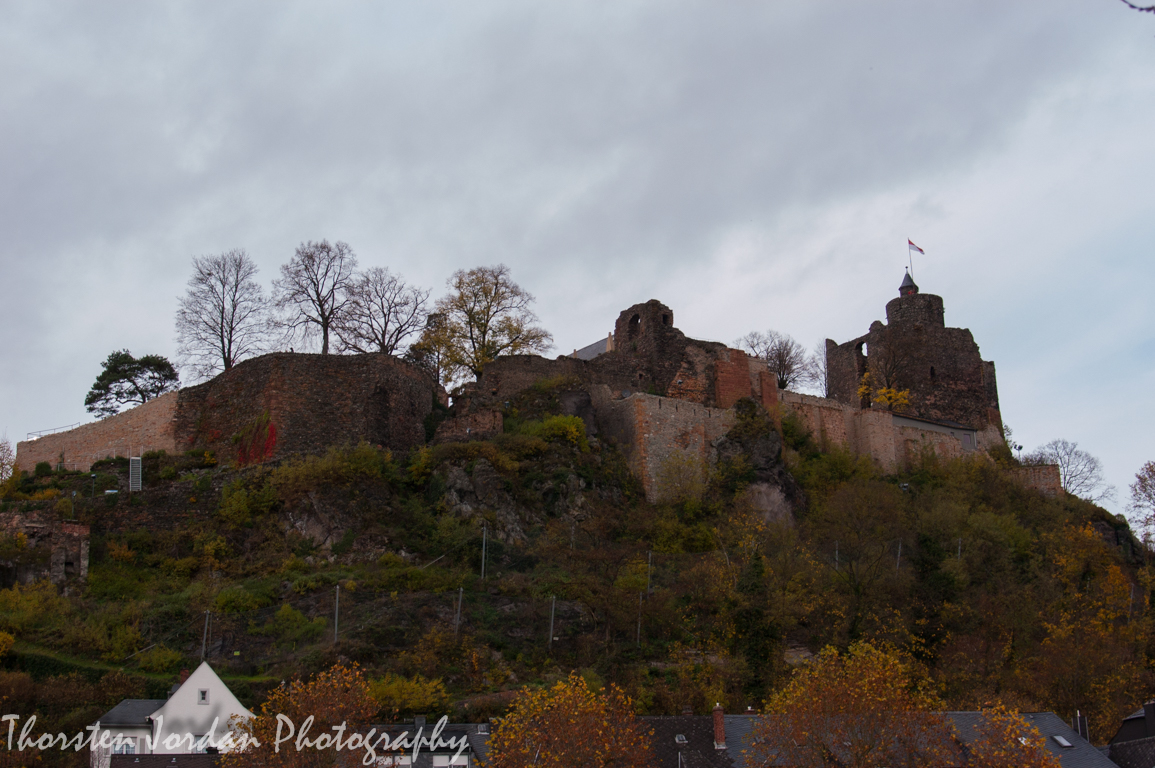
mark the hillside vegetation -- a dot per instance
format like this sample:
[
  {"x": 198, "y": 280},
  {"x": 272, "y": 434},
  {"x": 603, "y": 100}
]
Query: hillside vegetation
[{"x": 998, "y": 594}]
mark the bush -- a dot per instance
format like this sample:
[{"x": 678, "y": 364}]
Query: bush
[
  {"x": 160, "y": 659},
  {"x": 43, "y": 469},
  {"x": 399, "y": 695},
  {"x": 339, "y": 466},
  {"x": 290, "y": 627},
  {"x": 237, "y": 599},
  {"x": 27, "y": 607},
  {"x": 471, "y": 452},
  {"x": 564, "y": 429}
]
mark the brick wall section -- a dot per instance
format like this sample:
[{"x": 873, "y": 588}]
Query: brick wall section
[
  {"x": 479, "y": 425},
  {"x": 313, "y": 401},
  {"x": 693, "y": 382},
  {"x": 731, "y": 378},
  {"x": 147, "y": 427},
  {"x": 1045, "y": 479}
]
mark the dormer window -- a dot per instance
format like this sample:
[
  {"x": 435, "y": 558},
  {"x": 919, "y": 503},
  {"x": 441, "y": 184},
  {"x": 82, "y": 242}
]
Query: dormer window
[{"x": 203, "y": 696}]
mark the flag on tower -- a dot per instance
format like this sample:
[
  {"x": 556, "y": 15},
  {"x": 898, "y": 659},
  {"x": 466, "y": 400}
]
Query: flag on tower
[{"x": 912, "y": 247}]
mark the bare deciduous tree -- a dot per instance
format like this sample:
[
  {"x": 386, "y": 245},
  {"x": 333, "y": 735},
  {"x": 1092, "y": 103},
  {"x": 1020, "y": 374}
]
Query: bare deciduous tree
[
  {"x": 223, "y": 317},
  {"x": 7, "y": 458},
  {"x": 1081, "y": 473},
  {"x": 313, "y": 291},
  {"x": 381, "y": 314},
  {"x": 786, "y": 358},
  {"x": 1143, "y": 496},
  {"x": 1141, "y": 8},
  {"x": 820, "y": 369}
]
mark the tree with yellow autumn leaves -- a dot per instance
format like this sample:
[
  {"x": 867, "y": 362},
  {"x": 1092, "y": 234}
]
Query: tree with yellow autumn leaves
[
  {"x": 568, "y": 725},
  {"x": 336, "y": 696},
  {"x": 868, "y": 707}
]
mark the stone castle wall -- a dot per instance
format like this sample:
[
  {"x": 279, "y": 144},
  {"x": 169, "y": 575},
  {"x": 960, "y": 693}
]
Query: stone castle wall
[
  {"x": 309, "y": 402},
  {"x": 147, "y": 427},
  {"x": 875, "y": 432},
  {"x": 652, "y": 430},
  {"x": 1043, "y": 478}
]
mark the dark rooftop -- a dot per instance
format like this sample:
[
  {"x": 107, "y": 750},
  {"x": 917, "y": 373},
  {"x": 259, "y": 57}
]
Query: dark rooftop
[{"x": 131, "y": 712}]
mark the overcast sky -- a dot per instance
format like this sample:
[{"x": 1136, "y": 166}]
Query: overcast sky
[{"x": 752, "y": 165}]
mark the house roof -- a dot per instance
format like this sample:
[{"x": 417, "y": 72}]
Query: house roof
[
  {"x": 698, "y": 750},
  {"x": 131, "y": 712},
  {"x": 739, "y": 732},
  {"x": 1137, "y": 753},
  {"x": 1081, "y": 754},
  {"x": 593, "y": 350}
]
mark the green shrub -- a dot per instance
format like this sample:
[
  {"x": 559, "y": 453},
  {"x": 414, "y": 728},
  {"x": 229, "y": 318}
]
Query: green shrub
[
  {"x": 237, "y": 599},
  {"x": 521, "y": 446},
  {"x": 113, "y": 581},
  {"x": 563, "y": 429},
  {"x": 27, "y": 607},
  {"x": 345, "y": 544},
  {"x": 399, "y": 695},
  {"x": 472, "y": 452},
  {"x": 168, "y": 473},
  {"x": 339, "y": 466},
  {"x": 43, "y": 469},
  {"x": 288, "y": 626},
  {"x": 159, "y": 659},
  {"x": 795, "y": 434}
]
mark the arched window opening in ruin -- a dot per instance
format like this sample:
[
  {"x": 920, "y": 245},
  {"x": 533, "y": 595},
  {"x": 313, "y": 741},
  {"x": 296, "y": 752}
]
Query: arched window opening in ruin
[
  {"x": 635, "y": 325},
  {"x": 932, "y": 374},
  {"x": 665, "y": 319}
]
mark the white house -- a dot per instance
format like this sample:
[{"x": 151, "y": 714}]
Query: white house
[{"x": 194, "y": 718}]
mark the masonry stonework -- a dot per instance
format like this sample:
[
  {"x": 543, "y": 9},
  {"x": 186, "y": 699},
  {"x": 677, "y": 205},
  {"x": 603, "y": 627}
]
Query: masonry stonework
[
  {"x": 947, "y": 379},
  {"x": 311, "y": 401},
  {"x": 653, "y": 429},
  {"x": 147, "y": 427},
  {"x": 304, "y": 403},
  {"x": 1044, "y": 478},
  {"x": 56, "y": 549}
]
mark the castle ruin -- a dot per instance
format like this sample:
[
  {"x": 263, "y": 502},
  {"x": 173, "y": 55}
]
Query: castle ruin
[{"x": 647, "y": 387}]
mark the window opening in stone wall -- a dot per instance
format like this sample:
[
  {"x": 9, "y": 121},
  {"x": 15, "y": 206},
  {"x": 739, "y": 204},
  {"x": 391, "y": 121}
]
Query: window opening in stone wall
[
  {"x": 932, "y": 374},
  {"x": 665, "y": 319},
  {"x": 635, "y": 325}
]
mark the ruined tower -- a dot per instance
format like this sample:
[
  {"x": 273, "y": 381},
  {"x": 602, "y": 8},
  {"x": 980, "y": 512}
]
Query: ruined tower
[{"x": 941, "y": 367}]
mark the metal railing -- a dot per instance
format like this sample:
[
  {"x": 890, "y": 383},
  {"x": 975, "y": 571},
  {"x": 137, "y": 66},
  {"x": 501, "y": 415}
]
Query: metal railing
[{"x": 43, "y": 432}]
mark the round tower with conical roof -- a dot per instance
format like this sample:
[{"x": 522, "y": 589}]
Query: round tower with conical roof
[{"x": 914, "y": 308}]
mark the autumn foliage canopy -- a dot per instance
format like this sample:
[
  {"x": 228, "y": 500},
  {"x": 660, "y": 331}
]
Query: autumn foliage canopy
[{"x": 570, "y": 725}]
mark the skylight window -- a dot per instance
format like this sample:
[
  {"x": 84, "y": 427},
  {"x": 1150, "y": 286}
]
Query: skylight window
[{"x": 1063, "y": 742}]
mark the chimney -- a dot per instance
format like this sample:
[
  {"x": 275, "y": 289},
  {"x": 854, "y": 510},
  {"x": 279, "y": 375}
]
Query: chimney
[
  {"x": 719, "y": 727},
  {"x": 1149, "y": 717},
  {"x": 1081, "y": 725}
]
